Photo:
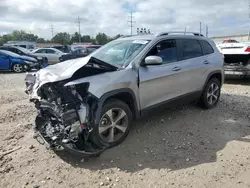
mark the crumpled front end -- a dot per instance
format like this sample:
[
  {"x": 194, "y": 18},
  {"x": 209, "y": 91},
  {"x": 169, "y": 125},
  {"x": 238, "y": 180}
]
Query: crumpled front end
[{"x": 65, "y": 115}]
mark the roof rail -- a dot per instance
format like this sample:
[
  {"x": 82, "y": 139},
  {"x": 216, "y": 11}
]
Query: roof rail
[
  {"x": 124, "y": 36},
  {"x": 175, "y": 32}
]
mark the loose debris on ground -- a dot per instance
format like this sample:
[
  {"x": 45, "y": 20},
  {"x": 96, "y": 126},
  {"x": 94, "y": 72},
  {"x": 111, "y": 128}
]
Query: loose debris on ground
[{"x": 180, "y": 147}]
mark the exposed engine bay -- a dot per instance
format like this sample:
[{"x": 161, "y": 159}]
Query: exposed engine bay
[{"x": 66, "y": 113}]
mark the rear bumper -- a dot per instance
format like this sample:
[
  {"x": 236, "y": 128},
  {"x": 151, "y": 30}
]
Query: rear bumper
[{"x": 237, "y": 71}]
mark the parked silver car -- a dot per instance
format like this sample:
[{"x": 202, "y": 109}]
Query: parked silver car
[{"x": 86, "y": 105}]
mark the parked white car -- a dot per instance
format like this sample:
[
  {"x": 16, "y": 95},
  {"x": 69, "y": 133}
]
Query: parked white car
[
  {"x": 235, "y": 52},
  {"x": 51, "y": 54}
]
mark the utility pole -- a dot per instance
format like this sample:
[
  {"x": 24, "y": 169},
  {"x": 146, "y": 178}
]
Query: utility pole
[
  {"x": 206, "y": 31},
  {"x": 131, "y": 23},
  {"x": 249, "y": 24},
  {"x": 79, "y": 21},
  {"x": 200, "y": 28},
  {"x": 52, "y": 31},
  {"x": 185, "y": 30}
]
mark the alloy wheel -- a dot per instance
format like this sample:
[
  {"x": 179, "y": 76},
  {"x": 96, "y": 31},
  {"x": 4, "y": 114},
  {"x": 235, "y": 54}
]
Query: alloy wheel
[
  {"x": 113, "y": 125},
  {"x": 18, "y": 68},
  {"x": 213, "y": 93}
]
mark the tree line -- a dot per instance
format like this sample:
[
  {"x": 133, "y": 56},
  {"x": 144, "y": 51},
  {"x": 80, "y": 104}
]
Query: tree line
[{"x": 63, "y": 38}]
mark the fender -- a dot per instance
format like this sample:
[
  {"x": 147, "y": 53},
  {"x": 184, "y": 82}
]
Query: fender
[
  {"x": 211, "y": 74},
  {"x": 113, "y": 93}
]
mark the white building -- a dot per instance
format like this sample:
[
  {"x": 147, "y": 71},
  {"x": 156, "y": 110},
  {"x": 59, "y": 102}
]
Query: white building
[{"x": 24, "y": 44}]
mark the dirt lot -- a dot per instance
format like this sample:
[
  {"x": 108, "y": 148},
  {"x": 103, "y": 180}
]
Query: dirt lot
[{"x": 181, "y": 147}]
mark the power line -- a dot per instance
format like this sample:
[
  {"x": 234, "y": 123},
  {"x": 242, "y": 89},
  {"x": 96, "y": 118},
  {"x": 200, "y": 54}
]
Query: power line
[
  {"x": 131, "y": 22},
  {"x": 79, "y": 21}
]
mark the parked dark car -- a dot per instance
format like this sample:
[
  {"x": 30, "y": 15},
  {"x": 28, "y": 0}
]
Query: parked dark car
[
  {"x": 17, "y": 63},
  {"x": 65, "y": 49},
  {"x": 43, "y": 61},
  {"x": 73, "y": 55},
  {"x": 79, "y": 51},
  {"x": 92, "y": 48}
]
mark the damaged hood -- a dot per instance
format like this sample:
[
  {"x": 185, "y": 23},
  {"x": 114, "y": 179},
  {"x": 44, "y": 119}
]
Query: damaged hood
[{"x": 61, "y": 71}]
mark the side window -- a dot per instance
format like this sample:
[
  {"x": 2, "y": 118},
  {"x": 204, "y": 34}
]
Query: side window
[
  {"x": 190, "y": 48},
  {"x": 41, "y": 51},
  {"x": 166, "y": 50},
  {"x": 12, "y": 50},
  {"x": 49, "y": 51},
  {"x": 207, "y": 48},
  {"x": 18, "y": 52}
]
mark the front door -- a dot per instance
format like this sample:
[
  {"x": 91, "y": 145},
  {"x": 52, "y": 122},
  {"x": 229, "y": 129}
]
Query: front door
[
  {"x": 52, "y": 56},
  {"x": 159, "y": 83},
  {"x": 4, "y": 62}
]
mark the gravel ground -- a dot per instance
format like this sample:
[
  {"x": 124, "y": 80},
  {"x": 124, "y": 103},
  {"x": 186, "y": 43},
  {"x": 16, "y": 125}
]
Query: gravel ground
[{"x": 180, "y": 147}]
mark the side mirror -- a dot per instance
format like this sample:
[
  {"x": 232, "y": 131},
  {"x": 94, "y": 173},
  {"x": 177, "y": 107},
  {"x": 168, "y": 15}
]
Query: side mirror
[{"x": 153, "y": 60}]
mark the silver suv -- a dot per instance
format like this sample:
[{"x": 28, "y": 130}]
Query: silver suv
[{"x": 86, "y": 105}]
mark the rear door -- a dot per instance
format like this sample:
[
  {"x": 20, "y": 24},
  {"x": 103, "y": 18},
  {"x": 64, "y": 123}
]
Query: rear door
[
  {"x": 160, "y": 83},
  {"x": 41, "y": 52},
  {"x": 4, "y": 62},
  {"x": 193, "y": 65}
]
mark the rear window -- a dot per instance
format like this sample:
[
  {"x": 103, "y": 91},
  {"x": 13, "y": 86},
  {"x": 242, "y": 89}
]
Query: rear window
[
  {"x": 190, "y": 49},
  {"x": 207, "y": 48}
]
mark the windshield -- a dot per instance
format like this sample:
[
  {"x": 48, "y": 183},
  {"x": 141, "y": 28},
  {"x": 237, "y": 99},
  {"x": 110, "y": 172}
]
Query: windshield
[
  {"x": 119, "y": 51},
  {"x": 10, "y": 53},
  {"x": 24, "y": 50}
]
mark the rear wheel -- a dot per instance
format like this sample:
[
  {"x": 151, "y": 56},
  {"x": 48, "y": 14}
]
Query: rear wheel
[
  {"x": 17, "y": 68},
  {"x": 211, "y": 94},
  {"x": 114, "y": 124}
]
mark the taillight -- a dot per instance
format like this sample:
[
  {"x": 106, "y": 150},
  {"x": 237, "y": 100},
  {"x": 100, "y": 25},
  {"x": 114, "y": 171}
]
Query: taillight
[{"x": 248, "y": 49}]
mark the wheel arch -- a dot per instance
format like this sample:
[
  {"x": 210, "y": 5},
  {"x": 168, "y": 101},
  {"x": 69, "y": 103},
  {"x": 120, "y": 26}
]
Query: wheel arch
[
  {"x": 126, "y": 95},
  {"x": 215, "y": 74}
]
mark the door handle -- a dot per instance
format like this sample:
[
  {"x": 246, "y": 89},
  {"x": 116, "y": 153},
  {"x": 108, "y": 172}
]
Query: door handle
[
  {"x": 206, "y": 62},
  {"x": 176, "y": 69}
]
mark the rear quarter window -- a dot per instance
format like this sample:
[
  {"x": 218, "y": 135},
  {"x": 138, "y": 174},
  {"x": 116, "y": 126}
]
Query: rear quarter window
[
  {"x": 189, "y": 48},
  {"x": 206, "y": 47}
]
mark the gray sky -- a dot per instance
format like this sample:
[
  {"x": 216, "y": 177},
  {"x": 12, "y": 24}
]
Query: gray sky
[{"x": 110, "y": 16}]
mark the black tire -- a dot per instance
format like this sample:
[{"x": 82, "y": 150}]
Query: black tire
[
  {"x": 19, "y": 69},
  {"x": 205, "y": 100},
  {"x": 95, "y": 136},
  {"x": 26, "y": 68}
]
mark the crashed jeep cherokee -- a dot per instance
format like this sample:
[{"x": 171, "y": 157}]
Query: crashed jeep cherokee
[{"x": 86, "y": 105}]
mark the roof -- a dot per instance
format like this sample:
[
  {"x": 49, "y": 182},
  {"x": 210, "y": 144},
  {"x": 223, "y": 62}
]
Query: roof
[
  {"x": 20, "y": 42},
  {"x": 151, "y": 36},
  {"x": 48, "y": 44}
]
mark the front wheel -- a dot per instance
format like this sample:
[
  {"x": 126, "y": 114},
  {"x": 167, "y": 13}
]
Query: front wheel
[
  {"x": 18, "y": 68},
  {"x": 114, "y": 124},
  {"x": 211, "y": 94}
]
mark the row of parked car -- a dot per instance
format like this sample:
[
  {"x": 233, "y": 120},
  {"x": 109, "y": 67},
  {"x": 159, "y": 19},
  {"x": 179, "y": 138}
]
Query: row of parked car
[{"x": 20, "y": 59}]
